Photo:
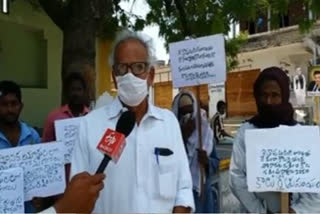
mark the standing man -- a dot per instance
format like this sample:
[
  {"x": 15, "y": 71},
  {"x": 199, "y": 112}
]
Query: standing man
[
  {"x": 75, "y": 92},
  {"x": 272, "y": 95},
  {"x": 152, "y": 174},
  {"x": 13, "y": 132},
  {"x": 216, "y": 123},
  {"x": 76, "y": 96}
]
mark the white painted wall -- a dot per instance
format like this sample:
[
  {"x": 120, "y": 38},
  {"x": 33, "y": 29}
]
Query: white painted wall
[{"x": 288, "y": 57}]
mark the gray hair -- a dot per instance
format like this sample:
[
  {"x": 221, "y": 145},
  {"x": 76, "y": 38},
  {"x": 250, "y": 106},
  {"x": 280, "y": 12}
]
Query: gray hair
[{"x": 129, "y": 35}]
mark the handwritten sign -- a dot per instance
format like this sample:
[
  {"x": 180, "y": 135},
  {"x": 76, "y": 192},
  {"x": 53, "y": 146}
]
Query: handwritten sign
[
  {"x": 67, "y": 132},
  {"x": 284, "y": 159},
  {"x": 11, "y": 191},
  {"x": 42, "y": 165},
  {"x": 198, "y": 61}
]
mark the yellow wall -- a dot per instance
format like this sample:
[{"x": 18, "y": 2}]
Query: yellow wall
[{"x": 104, "y": 80}]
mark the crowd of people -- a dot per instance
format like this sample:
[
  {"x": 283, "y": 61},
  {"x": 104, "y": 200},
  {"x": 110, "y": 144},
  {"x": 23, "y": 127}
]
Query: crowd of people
[{"x": 180, "y": 179}]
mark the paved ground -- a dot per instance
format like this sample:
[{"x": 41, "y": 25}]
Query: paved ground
[{"x": 228, "y": 202}]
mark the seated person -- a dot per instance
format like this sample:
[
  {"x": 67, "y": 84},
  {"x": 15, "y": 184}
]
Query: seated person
[{"x": 216, "y": 123}]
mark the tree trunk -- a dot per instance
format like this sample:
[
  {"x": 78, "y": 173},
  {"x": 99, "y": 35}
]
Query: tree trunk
[
  {"x": 79, "y": 36},
  {"x": 79, "y": 21}
]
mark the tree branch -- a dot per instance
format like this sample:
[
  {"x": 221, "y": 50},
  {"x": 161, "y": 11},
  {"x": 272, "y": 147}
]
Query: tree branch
[
  {"x": 183, "y": 18},
  {"x": 55, "y": 10},
  {"x": 168, "y": 6}
]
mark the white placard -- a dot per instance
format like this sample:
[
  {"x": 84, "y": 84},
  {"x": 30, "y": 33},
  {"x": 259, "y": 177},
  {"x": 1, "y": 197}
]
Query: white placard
[
  {"x": 11, "y": 191},
  {"x": 284, "y": 159},
  {"x": 43, "y": 168},
  {"x": 67, "y": 132},
  {"x": 198, "y": 61}
]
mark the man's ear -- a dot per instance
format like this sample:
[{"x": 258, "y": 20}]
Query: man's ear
[
  {"x": 151, "y": 76},
  {"x": 114, "y": 79}
]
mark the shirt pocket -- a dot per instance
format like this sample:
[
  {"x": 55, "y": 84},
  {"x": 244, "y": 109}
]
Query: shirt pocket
[{"x": 166, "y": 173}]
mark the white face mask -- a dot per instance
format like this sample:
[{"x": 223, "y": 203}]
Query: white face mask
[{"x": 131, "y": 89}]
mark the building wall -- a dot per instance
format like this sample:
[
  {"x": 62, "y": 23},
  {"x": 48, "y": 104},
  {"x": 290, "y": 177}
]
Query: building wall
[
  {"x": 288, "y": 57},
  {"x": 38, "y": 99},
  {"x": 104, "y": 82}
]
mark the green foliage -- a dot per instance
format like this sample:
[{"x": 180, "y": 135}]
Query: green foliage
[
  {"x": 233, "y": 47},
  {"x": 179, "y": 19},
  {"x": 198, "y": 18},
  {"x": 203, "y": 17}
]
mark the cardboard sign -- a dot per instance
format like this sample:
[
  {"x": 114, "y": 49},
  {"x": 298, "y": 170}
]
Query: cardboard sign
[
  {"x": 67, "y": 132},
  {"x": 11, "y": 191},
  {"x": 43, "y": 168},
  {"x": 284, "y": 159},
  {"x": 198, "y": 61}
]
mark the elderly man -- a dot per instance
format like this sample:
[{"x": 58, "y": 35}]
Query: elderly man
[
  {"x": 152, "y": 175},
  {"x": 185, "y": 108}
]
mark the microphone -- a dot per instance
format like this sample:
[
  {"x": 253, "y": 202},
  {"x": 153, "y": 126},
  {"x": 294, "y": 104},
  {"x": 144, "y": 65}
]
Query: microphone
[{"x": 113, "y": 142}]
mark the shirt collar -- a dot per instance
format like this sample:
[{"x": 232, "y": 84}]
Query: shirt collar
[
  {"x": 25, "y": 133},
  {"x": 66, "y": 109},
  {"x": 154, "y": 112},
  {"x": 117, "y": 108}
]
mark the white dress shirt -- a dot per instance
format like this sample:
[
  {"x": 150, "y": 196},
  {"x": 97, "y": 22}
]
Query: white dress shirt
[{"x": 138, "y": 183}]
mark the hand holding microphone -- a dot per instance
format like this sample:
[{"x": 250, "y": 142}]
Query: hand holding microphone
[
  {"x": 81, "y": 194},
  {"x": 113, "y": 142}
]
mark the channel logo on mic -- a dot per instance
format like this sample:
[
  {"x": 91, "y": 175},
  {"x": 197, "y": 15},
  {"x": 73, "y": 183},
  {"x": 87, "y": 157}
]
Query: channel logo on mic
[{"x": 112, "y": 144}]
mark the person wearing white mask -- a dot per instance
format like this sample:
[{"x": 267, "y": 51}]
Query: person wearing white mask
[{"x": 152, "y": 174}]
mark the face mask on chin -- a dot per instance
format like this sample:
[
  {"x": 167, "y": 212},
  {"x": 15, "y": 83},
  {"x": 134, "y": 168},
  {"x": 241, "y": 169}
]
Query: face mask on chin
[{"x": 131, "y": 89}]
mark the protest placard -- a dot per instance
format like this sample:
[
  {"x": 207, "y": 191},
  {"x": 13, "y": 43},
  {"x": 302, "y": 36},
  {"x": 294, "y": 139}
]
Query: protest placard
[
  {"x": 67, "y": 132},
  {"x": 198, "y": 61},
  {"x": 43, "y": 168},
  {"x": 11, "y": 191},
  {"x": 283, "y": 159}
]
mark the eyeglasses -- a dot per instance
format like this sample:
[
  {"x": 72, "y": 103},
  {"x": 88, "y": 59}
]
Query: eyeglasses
[{"x": 136, "y": 68}]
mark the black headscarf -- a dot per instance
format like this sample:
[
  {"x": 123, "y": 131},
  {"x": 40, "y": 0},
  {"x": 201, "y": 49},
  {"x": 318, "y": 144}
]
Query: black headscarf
[{"x": 271, "y": 116}]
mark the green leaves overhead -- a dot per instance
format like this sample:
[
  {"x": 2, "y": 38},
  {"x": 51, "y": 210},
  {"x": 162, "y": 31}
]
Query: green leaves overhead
[
  {"x": 198, "y": 18},
  {"x": 178, "y": 19}
]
